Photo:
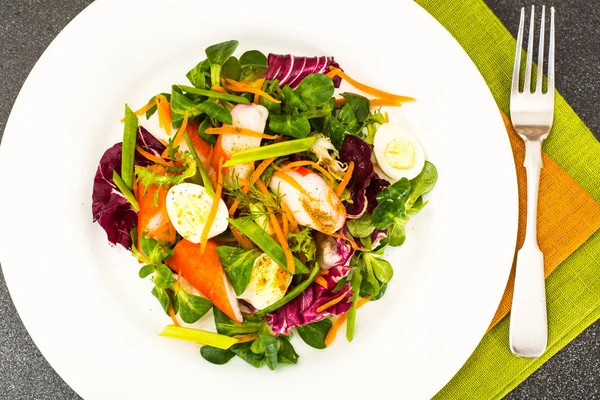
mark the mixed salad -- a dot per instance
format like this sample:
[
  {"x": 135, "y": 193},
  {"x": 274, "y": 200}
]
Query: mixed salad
[{"x": 260, "y": 192}]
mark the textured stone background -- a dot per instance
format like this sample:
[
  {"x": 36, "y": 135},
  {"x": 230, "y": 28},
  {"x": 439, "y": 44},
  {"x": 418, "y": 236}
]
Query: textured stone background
[{"x": 28, "y": 26}]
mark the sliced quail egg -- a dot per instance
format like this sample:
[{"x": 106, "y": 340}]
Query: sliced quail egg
[
  {"x": 268, "y": 283},
  {"x": 398, "y": 152},
  {"x": 188, "y": 206}
]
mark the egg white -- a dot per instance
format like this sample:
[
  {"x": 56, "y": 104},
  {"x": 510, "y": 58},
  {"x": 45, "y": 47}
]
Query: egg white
[
  {"x": 386, "y": 134},
  {"x": 188, "y": 206},
  {"x": 268, "y": 283}
]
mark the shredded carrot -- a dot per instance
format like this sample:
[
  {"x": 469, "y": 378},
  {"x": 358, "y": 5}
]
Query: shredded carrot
[
  {"x": 213, "y": 209},
  {"x": 387, "y": 117},
  {"x": 341, "y": 319},
  {"x": 164, "y": 113},
  {"x": 259, "y": 84},
  {"x": 143, "y": 110},
  {"x": 332, "y": 303},
  {"x": 172, "y": 315},
  {"x": 289, "y": 257},
  {"x": 238, "y": 131},
  {"x": 178, "y": 135},
  {"x": 236, "y": 203},
  {"x": 312, "y": 164},
  {"x": 319, "y": 280},
  {"x": 340, "y": 102},
  {"x": 261, "y": 168},
  {"x": 385, "y": 102},
  {"x": 292, "y": 182},
  {"x": 152, "y": 157},
  {"x": 291, "y": 217},
  {"x": 340, "y": 189},
  {"x": 324, "y": 272},
  {"x": 234, "y": 207},
  {"x": 236, "y": 86},
  {"x": 346, "y": 238},
  {"x": 285, "y": 225},
  {"x": 244, "y": 242},
  {"x": 368, "y": 89},
  {"x": 245, "y": 338},
  {"x": 219, "y": 88}
]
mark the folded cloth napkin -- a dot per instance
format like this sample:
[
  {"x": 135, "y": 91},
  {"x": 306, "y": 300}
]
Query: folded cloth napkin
[{"x": 568, "y": 212}]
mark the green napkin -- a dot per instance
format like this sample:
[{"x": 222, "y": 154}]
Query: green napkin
[{"x": 572, "y": 289}]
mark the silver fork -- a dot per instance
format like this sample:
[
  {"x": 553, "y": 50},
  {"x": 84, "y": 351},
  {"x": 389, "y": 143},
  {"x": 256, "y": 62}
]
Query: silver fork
[{"x": 531, "y": 114}]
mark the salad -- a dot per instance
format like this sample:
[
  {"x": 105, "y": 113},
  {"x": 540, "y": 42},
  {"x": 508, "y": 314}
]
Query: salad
[{"x": 260, "y": 192}]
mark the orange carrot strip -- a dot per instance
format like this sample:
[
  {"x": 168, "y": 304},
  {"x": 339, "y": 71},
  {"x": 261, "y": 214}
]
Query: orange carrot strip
[
  {"x": 219, "y": 88},
  {"x": 236, "y": 86},
  {"x": 332, "y": 73},
  {"x": 213, "y": 209},
  {"x": 312, "y": 164},
  {"x": 341, "y": 319},
  {"x": 244, "y": 242},
  {"x": 261, "y": 168},
  {"x": 179, "y": 134},
  {"x": 259, "y": 84},
  {"x": 319, "y": 280},
  {"x": 289, "y": 257},
  {"x": 172, "y": 315},
  {"x": 238, "y": 131},
  {"x": 368, "y": 89},
  {"x": 385, "y": 102},
  {"x": 285, "y": 225},
  {"x": 236, "y": 203},
  {"x": 143, "y": 110},
  {"x": 152, "y": 157},
  {"x": 234, "y": 207},
  {"x": 346, "y": 238},
  {"x": 324, "y": 272},
  {"x": 332, "y": 303},
  {"x": 387, "y": 117},
  {"x": 340, "y": 102},
  {"x": 292, "y": 182},
  {"x": 291, "y": 217},
  {"x": 340, "y": 189},
  {"x": 164, "y": 113}
]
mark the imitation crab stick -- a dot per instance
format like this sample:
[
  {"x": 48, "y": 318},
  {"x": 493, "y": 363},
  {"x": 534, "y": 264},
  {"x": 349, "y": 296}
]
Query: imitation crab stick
[
  {"x": 203, "y": 270},
  {"x": 248, "y": 116},
  {"x": 153, "y": 219}
]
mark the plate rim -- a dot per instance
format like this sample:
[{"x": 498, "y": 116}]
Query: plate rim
[{"x": 66, "y": 31}]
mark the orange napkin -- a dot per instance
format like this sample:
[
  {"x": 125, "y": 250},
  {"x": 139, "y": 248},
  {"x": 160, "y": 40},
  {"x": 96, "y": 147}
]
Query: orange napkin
[{"x": 567, "y": 215}]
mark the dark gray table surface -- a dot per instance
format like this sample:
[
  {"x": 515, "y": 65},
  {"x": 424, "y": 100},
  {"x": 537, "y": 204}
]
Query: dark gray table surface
[{"x": 28, "y": 26}]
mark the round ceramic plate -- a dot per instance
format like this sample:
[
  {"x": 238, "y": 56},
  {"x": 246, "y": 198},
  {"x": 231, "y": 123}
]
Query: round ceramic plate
[{"x": 96, "y": 321}]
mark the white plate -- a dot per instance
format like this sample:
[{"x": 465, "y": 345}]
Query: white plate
[{"x": 95, "y": 320}]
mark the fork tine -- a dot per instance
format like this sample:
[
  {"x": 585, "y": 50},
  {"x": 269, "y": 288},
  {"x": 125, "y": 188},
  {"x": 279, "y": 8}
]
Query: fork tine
[
  {"x": 551, "y": 54},
  {"x": 517, "y": 66},
  {"x": 527, "y": 84},
  {"x": 540, "y": 59}
]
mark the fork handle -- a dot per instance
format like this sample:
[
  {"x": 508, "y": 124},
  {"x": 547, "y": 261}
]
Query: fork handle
[{"x": 528, "y": 320}]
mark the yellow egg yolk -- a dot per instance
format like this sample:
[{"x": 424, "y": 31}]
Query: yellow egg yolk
[{"x": 400, "y": 153}]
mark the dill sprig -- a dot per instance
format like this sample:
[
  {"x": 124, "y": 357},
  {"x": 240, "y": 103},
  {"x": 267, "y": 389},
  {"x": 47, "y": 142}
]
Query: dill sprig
[{"x": 234, "y": 189}]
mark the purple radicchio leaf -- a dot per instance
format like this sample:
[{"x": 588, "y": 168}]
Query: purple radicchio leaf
[
  {"x": 359, "y": 152},
  {"x": 290, "y": 69},
  {"x": 109, "y": 207},
  {"x": 303, "y": 309},
  {"x": 332, "y": 252}
]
